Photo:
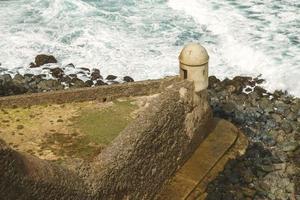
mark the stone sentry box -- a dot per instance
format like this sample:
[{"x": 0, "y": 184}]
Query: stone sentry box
[{"x": 193, "y": 61}]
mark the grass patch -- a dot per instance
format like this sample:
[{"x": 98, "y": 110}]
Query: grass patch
[{"x": 102, "y": 126}]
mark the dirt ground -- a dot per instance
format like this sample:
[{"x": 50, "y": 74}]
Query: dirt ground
[{"x": 66, "y": 131}]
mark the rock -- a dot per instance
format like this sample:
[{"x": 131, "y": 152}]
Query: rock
[
  {"x": 213, "y": 80},
  {"x": 18, "y": 78},
  {"x": 70, "y": 65},
  {"x": 73, "y": 75},
  {"x": 77, "y": 83},
  {"x": 44, "y": 59},
  {"x": 276, "y": 117},
  {"x": 260, "y": 91},
  {"x": 32, "y": 65},
  {"x": 85, "y": 69},
  {"x": 89, "y": 83},
  {"x": 289, "y": 146},
  {"x": 100, "y": 82},
  {"x": 128, "y": 79},
  {"x": 248, "y": 192},
  {"x": 4, "y": 79},
  {"x": 65, "y": 79},
  {"x": 57, "y": 72},
  {"x": 111, "y": 77},
  {"x": 96, "y": 75},
  {"x": 48, "y": 85},
  {"x": 244, "y": 80},
  {"x": 286, "y": 126}
]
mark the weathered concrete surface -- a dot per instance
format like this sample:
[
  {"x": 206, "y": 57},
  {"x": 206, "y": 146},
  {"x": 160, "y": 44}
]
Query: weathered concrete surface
[
  {"x": 191, "y": 180},
  {"x": 135, "y": 166},
  {"x": 102, "y": 93}
]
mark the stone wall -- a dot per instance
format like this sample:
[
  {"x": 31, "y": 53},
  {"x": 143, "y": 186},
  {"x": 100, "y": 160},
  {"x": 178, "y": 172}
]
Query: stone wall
[
  {"x": 135, "y": 166},
  {"x": 101, "y": 93}
]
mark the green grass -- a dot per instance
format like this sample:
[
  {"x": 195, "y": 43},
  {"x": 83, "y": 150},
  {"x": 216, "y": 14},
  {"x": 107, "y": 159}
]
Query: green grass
[{"x": 104, "y": 125}]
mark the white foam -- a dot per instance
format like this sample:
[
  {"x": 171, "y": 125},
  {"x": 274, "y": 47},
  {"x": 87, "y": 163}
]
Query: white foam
[
  {"x": 247, "y": 46},
  {"x": 143, "y": 39}
]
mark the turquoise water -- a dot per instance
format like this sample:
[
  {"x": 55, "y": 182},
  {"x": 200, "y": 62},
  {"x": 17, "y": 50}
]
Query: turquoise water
[{"x": 143, "y": 38}]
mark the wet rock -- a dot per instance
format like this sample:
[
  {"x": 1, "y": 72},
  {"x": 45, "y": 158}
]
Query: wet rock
[
  {"x": 96, "y": 75},
  {"x": 289, "y": 146},
  {"x": 100, "y": 82},
  {"x": 70, "y": 65},
  {"x": 77, "y": 83},
  {"x": 49, "y": 85},
  {"x": 89, "y": 83},
  {"x": 286, "y": 126},
  {"x": 57, "y": 72},
  {"x": 4, "y": 79},
  {"x": 44, "y": 59},
  {"x": 73, "y": 75},
  {"x": 65, "y": 79},
  {"x": 111, "y": 77},
  {"x": 128, "y": 79},
  {"x": 85, "y": 69}
]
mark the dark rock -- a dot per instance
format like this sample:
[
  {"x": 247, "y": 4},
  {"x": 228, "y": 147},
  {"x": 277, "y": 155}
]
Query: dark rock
[
  {"x": 32, "y": 65},
  {"x": 4, "y": 79},
  {"x": 57, "y": 72},
  {"x": 248, "y": 89},
  {"x": 128, "y": 79},
  {"x": 89, "y": 83},
  {"x": 111, "y": 77},
  {"x": 70, "y": 65},
  {"x": 49, "y": 85},
  {"x": 244, "y": 80},
  {"x": 96, "y": 75},
  {"x": 213, "y": 80},
  {"x": 18, "y": 78},
  {"x": 286, "y": 126},
  {"x": 73, "y": 75},
  {"x": 260, "y": 91},
  {"x": 100, "y": 82},
  {"x": 65, "y": 79},
  {"x": 85, "y": 69},
  {"x": 77, "y": 83},
  {"x": 44, "y": 59}
]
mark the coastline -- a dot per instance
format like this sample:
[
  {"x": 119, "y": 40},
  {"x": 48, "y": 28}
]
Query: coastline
[{"x": 270, "y": 168}]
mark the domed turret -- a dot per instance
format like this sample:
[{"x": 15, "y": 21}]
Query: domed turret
[{"x": 194, "y": 65}]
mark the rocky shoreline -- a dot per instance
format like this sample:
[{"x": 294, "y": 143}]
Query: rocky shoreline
[
  {"x": 270, "y": 168},
  {"x": 54, "y": 78}
]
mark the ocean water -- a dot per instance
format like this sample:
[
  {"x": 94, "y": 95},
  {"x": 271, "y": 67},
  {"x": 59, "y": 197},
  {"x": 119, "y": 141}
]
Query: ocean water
[{"x": 143, "y": 38}]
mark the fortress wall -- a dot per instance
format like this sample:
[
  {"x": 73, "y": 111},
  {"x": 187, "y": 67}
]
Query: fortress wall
[
  {"x": 150, "y": 150},
  {"x": 136, "y": 165},
  {"x": 101, "y": 93}
]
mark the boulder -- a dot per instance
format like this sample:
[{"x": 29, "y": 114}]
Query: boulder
[
  {"x": 49, "y": 85},
  {"x": 100, "y": 82},
  {"x": 96, "y": 74},
  {"x": 57, "y": 72},
  {"x": 44, "y": 59},
  {"x": 128, "y": 79},
  {"x": 77, "y": 83},
  {"x": 111, "y": 77}
]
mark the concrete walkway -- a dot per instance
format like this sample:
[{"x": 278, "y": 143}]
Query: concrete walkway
[{"x": 223, "y": 143}]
